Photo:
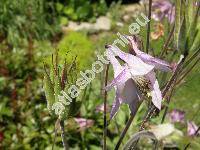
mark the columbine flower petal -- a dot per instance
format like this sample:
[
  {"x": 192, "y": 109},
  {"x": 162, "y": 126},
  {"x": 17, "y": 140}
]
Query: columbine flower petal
[
  {"x": 120, "y": 79},
  {"x": 135, "y": 64},
  {"x": 115, "y": 63},
  {"x": 157, "y": 63},
  {"x": 131, "y": 96},
  {"x": 155, "y": 90},
  {"x": 115, "y": 105}
]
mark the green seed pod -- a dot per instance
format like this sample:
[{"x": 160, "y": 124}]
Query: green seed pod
[
  {"x": 49, "y": 92},
  {"x": 52, "y": 74},
  {"x": 57, "y": 87}
]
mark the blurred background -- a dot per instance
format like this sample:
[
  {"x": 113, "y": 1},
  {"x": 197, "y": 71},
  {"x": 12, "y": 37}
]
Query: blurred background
[{"x": 31, "y": 31}]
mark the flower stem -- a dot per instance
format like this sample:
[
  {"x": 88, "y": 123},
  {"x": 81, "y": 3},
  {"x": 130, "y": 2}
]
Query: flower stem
[
  {"x": 167, "y": 42},
  {"x": 64, "y": 140},
  {"x": 167, "y": 107},
  {"x": 105, "y": 103},
  {"x": 191, "y": 58},
  {"x": 188, "y": 71},
  {"x": 148, "y": 27},
  {"x": 55, "y": 132},
  {"x": 124, "y": 131}
]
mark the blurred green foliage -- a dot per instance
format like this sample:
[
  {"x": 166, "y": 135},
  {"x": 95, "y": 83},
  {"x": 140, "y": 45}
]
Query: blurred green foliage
[
  {"x": 21, "y": 19},
  {"x": 77, "y": 44},
  {"x": 24, "y": 119},
  {"x": 80, "y": 10}
]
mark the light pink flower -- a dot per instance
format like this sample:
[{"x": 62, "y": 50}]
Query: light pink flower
[
  {"x": 191, "y": 128},
  {"x": 177, "y": 115},
  {"x": 125, "y": 77},
  {"x": 84, "y": 123},
  {"x": 125, "y": 87}
]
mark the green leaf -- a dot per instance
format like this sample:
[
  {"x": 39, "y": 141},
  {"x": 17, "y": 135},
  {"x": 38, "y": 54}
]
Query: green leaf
[
  {"x": 59, "y": 7},
  {"x": 177, "y": 22},
  {"x": 68, "y": 11},
  {"x": 57, "y": 87},
  {"x": 4, "y": 110},
  {"x": 192, "y": 28},
  {"x": 84, "y": 11},
  {"x": 182, "y": 37},
  {"x": 196, "y": 43},
  {"x": 63, "y": 20}
]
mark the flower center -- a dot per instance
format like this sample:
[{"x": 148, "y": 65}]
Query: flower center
[{"x": 143, "y": 85}]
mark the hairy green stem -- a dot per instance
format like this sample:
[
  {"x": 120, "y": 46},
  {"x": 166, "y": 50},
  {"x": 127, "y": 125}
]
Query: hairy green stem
[
  {"x": 64, "y": 140},
  {"x": 105, "y": 103}
]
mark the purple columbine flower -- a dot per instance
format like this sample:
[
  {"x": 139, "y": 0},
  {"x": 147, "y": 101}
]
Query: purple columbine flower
[
  {"x": 177, "y": 116},
  {"x": 163, "y": 9},
  {"x": 191, "y": 128},
  {"x": 135, "y": 78}
]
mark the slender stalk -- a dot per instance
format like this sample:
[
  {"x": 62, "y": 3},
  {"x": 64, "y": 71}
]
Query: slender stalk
[
  {"x": 167, "y": 107},
  {"x": 124, "y": 132},
  {"x": 64, "y": 140},
  {"x": 148, "y": 27},
  {"x": 192, "y": 58},
  {"x": 55, "y": 132},
  {"x": 186, "y": 147},
  {"x": 147, "y": 116},
  {"x": 167, "y": 42},
  {"x": 142, "y": 126},
  {"x": 187, "y": 72},
  {"x": 105, "y": 103},
  {"x": 173, "y": 77}
]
